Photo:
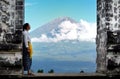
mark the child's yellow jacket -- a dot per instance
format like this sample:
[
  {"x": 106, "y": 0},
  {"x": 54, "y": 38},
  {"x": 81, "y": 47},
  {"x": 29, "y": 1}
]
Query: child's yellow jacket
[{"x": 30, "y": 48}]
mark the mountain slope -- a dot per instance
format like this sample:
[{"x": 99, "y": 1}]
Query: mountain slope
[
  {"x": 65, "y": 28},
  {"x": 47, "y": 28}
]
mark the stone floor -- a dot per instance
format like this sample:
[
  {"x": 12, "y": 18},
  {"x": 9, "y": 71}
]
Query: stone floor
[{"x": 61, "y": 75}]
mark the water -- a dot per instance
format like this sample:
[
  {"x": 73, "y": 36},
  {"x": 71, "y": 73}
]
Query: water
[
  {"x": 64, "y": 57},
  {"x": 63, "y": 66}
]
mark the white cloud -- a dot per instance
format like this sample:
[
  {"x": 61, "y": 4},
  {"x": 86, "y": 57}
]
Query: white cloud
[
  {"x": 88, "y": 32},
  {"x": 29, "y": 4},
  {"x": 44, "y": 38},
  {"x": 82, "y": 31}
]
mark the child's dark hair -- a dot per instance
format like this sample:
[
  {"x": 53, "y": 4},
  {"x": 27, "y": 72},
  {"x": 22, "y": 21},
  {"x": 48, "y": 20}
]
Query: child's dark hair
[{"x": 25, "y": 26}]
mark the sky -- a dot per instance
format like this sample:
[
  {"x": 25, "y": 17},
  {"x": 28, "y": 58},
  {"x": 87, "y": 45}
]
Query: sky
[{"x": 40, "y": 12}]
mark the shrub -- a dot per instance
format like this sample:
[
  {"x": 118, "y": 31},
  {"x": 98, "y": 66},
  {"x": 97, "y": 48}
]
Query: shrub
[
  {"x": 51, "y": 71},
  {"x": 40, "y": 71}
]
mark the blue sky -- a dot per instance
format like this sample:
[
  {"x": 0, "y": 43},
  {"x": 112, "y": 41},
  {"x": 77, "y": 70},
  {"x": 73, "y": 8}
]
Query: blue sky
[{"x": 39, "y": 12}]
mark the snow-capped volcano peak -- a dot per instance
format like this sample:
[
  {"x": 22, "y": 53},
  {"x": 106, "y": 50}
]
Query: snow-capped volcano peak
[
  {"x": 46, "y": 28},
  {"x": 66, "y": 29}
]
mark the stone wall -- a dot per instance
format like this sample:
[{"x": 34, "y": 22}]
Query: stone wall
[
  {"x": 10, "y": 63},
  {"x": 11, "y": 22},
  {"x": 12, "y": 18},
  {"x": 108, "y": 38}
]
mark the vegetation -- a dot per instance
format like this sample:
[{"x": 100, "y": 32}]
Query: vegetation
[
  {"x": 51, "y": 71},
  {"x": 40, "y": 71},
  {"x": 81, "y": 71}
]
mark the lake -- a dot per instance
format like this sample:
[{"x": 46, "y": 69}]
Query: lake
[{"x": 64, "y": 57}]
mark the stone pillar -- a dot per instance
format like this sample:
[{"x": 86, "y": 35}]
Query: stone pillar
[
  {"x": 11, "y": 22},
  {"x": 107, "y": 39},
  {"x": 101, "y": 37}
]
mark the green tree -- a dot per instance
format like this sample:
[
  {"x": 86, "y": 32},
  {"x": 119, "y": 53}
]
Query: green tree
[
  {"x": 51, "y": 71},
  {"x": 81, "y": 71},
  {"x": 40, "y": 71}
]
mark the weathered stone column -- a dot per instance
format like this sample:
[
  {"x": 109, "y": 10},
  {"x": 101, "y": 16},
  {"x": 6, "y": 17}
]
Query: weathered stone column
[
  {"x": 101, "y": 37},
  {"x": 108, "y": 38},
  {"x": 11, "y": 22}
]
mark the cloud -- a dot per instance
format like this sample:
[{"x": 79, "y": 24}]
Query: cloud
[
  {"x": 88, "y": 32},
  {"x": 29, "y": 4},
  {"x": 82, "y": 31}
]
